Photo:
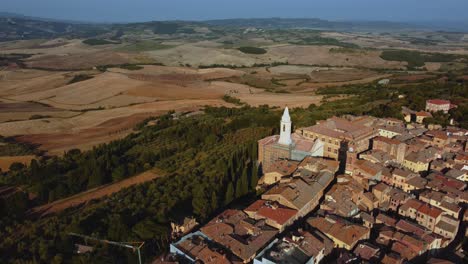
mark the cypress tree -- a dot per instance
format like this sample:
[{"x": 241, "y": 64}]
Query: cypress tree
[
  {"x": 254, "y": 177},
  {"x": 229, "y": 194},
  {"x": 214, "y": 202}
]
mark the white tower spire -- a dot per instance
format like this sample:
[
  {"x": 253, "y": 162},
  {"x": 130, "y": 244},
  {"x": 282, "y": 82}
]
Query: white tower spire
[{"x": 285, "y": 135}]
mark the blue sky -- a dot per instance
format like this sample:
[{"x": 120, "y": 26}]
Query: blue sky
[{"x": 145, "y": 10}]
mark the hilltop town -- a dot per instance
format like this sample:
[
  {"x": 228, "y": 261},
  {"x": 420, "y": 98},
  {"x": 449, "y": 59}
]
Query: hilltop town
[
  {"x": 262, "y": 140},
  {"x": 356, "y": 189}
]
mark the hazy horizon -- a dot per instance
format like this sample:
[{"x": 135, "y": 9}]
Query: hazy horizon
[{"x": 147, "y": 10}]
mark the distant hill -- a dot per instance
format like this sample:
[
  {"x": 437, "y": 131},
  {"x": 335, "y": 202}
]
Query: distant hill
[
  {"x": 16, "y": 26},
  {"x": 320, "y": 24}
]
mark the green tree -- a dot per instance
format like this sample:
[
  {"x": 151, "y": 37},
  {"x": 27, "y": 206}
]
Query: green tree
[
  {"x": 254, "y": 177},
  {"x": 200, "y": 202},
  {"x": 229, "y": 194},
  {"x": 214, "y": 201}
]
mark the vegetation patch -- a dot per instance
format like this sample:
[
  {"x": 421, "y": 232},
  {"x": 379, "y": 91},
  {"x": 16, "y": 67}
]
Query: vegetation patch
[
  {"x": 418, "y": 59},
  {"x": 80, "y": 78},
  {"x": 146, "y": 46},
  {"x": 232, "y": 100},
  {"x": 131, "y": 67},
  {"x": 9, "y": 147},
  {"x": 97, "y": 42},
  {"x": 252, "y": 50},
  {"x": 321, "y": 41}
]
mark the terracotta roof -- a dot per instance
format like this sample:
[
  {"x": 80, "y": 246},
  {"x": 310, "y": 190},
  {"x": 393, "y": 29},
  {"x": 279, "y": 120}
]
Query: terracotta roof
[
  {"x": 381, "y": 187},
  {"x": 269, "y": 210},
  {"x": 338, "y": 228},
  {"x": 243, "y": 236},
  {"x": 197, "y": 247},
  {"x": 366, "y": 251},
  {"x": 423, "y": 113},
  {"x": 433, "y": 212},
  {"x": 387, "y": 140},
  {"x": 283, "y": 167},
  {"x": 368, "y": 167},
  {"x": 296, "y": 192},
  {"x": 417, "y": 182},
  {"x": 387, "y": 220},
  {"x": 401, "y": 173},
  {"x": 438, "y": 101},
  {"x": 411, "y": 203},
  {"x": 339, "y": 128},
  {"x": 410, "y": 227}
]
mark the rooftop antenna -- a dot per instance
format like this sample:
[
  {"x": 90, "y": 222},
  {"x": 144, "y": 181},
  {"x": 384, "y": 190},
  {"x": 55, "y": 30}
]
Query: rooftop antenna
[{"x": 135, "y": 246}]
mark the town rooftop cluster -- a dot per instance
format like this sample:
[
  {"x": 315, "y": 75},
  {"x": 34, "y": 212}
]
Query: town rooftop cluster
[{"x": 354, "y": 188}]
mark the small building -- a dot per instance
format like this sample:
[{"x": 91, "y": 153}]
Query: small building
[
  {"x": 277, "y": 170},
  {"x": 344, "y": 234},
  {"x": 274, "y": 214},
  {"x": 183, "y": 227},
  {"x": 367, "y": 252},
  {"x": 447, "y": 227},
  {"x": 297, "y": 247},
  {"x": 436, "y": 105},
  {"x": 421, "y": 115}
]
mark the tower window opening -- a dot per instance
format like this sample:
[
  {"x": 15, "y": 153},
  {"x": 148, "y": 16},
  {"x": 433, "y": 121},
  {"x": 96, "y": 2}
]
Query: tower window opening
[{"x": 284, "y": 128}]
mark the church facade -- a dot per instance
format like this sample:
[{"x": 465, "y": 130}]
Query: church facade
[{"x": 287, "y": 145}]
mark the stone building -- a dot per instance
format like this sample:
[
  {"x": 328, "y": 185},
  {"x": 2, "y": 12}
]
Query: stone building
[
  {"x": 342, "y": 139},
  {"x": 436, "y": 105},
  {"x": 286, "y": 145}
]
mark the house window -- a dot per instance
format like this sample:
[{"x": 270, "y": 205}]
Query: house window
[{"x": 329, "y": 149}]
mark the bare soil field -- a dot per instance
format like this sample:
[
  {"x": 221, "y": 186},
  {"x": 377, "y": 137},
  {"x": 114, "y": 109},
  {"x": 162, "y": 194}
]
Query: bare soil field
[
  {"x": 56, "y": 135},
  {"x": 195, "y": 55},
  {"x": 321, "y": 56},
  {"x": 86, "y": 60},
  {"x": 93, "y": 194},
  {"x": 5, "y": 162},
  {"x": 279, "y": 99},
  {"x": 13, "y": 111},
  {"x": 13, "y": 83}
]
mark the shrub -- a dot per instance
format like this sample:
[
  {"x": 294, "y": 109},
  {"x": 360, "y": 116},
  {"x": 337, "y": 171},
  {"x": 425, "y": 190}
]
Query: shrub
[
  {"x": 252, "y": 50},
  {"x": 95, "y": 42}
]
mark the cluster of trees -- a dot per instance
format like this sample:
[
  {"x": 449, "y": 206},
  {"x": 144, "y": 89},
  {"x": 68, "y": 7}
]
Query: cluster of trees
[
  {"x": 387, "y": 101},
  {"x": 418, "y": 59},
  {"x": 80, "y": 78},
  {"x": 210, "y": 161},
  {"x": 319, "y": 41},
  {"x": 8, "y": 147},
  {"x": 96, "y": 42},
  {"x": 252, "y": 50}
]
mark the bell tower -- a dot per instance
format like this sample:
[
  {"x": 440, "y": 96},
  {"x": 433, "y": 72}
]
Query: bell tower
[{"x": 285, "y": 135}]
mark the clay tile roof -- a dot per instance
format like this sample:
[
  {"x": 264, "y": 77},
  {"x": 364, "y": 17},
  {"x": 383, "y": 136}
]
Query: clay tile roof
[
  {"x": 274, "y": 212},
  {"x": 368, "y": 167},
  {"x": 423, "y": 113},
  {"x": 279, "y": 215},
  {"x": 402, "y": 173},
  {"x": 284, "y": 167},
  {"x": 433, "y": 212},
  {"x": 418, "y": 182},
  {"x": 366, "y": 251},
  {"x": 387, "y": 140},
  {"x": 380, "y": 187},
  {"x": 412, "y": 203},
  {"x": 438, "y": 101}
]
